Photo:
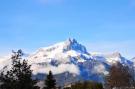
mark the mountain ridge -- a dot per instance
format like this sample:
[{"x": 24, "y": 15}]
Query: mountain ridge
[{"x": 70, "y": 58}]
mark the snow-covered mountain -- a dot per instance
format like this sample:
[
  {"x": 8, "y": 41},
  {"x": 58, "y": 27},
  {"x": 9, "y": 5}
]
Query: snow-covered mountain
[
  {"x": 61, "y": 57},
  {"x": 71, "y": 60},
  {"x": 70, "y": 57}
]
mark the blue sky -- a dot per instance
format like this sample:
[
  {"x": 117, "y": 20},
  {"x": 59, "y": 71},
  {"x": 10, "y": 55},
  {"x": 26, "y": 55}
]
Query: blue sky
[{"x": 101, "y": 25}]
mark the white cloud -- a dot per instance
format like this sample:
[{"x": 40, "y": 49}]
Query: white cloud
[
  {"x": 71, "y": 68},
  {"x": 100, "y": 69}
]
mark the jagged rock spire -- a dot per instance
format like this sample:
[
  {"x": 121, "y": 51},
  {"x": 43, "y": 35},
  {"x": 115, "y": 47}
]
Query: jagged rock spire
[{"x": 72, "y": 40}]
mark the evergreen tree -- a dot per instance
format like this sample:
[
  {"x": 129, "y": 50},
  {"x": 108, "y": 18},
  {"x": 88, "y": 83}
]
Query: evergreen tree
[
  {"x": 50, "y": 82},
  {"x": 86, "y": 85},
  {"x": 20, "y": 75}
]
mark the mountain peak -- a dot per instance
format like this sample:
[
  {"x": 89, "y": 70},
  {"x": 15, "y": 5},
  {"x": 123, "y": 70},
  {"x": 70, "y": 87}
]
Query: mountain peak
[
  {"x": 72, "y": 44},
  {"x": 115, "y": 54},
  {"x": 72, "y": 40}
]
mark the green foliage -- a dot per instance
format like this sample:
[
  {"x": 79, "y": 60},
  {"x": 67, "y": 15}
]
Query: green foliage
[
  {"x": 50, "y": 82},
  {"x": 86, "y": 85},
  {"x": 20, "y": 75},
  {"x": 67, "y": 88}
]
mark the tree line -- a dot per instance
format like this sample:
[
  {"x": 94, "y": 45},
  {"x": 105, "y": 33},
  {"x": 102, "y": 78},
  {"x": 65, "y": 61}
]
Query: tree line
[{"x": 20, "y": 77}]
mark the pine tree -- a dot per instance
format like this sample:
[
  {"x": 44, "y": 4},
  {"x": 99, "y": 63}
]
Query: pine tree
[
  {"x": 50, "y": 82},
  {"x": 86, "y": 85},
  {"x": 20, "y": 75}
]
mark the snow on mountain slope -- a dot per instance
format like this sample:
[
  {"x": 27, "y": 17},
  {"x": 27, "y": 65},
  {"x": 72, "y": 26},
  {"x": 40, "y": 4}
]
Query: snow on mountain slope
[
  {"x": 70, "y": 58},
  {"x": 111, "y": 58},
  {"x": 114, "y": 57},
  {"x": 59, "y": 58},
  {"x": 5, "y": 62},
  {"x": 60, "y": 51}
]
